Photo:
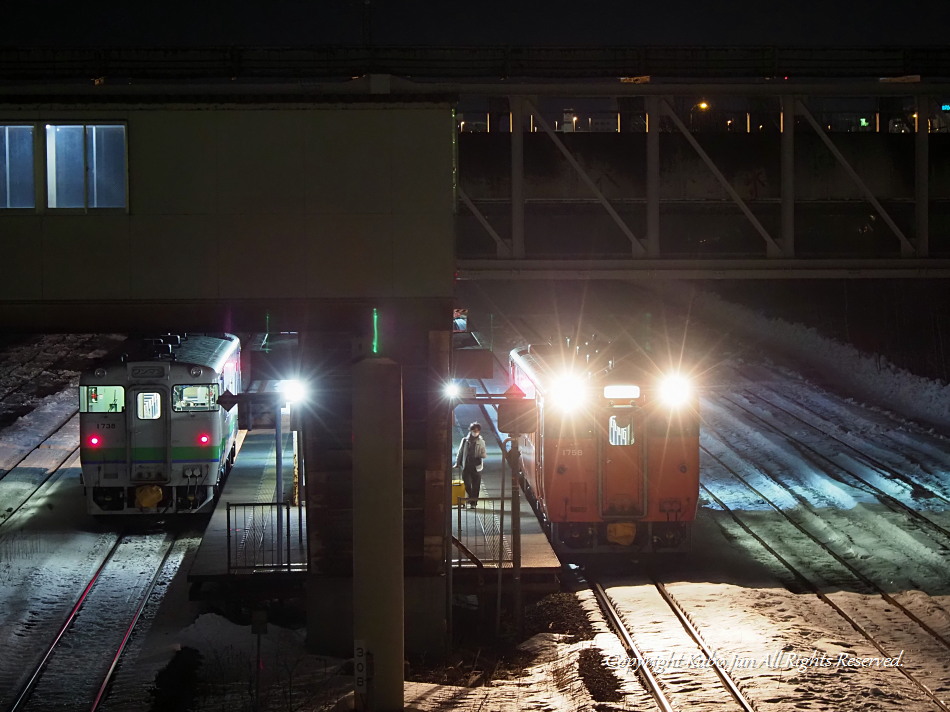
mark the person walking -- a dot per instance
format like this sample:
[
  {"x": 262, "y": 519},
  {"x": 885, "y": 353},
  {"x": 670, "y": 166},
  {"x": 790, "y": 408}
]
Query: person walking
[{"x": 471, "y": 458}]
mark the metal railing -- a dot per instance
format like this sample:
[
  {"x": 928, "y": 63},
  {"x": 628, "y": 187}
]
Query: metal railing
[
  {"x": 265, "y": 537},
  {"x": 482, "y": 535}
]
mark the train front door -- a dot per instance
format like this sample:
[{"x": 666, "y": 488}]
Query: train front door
[
  {"x": 623, "y": 495},
  {"x": 148, "y": 436}
]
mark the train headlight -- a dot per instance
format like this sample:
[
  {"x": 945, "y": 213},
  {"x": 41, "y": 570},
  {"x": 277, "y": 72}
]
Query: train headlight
[
  {"x": 452, "y": 390},
  {"x": 675, "y": 390},
  {"x": 569, "y": 393}
]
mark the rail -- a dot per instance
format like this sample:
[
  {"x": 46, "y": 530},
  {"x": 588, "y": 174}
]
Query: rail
[{"x": 257, "y": 544}]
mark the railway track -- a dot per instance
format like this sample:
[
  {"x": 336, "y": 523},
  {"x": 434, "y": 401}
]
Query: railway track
[
  {"x": 41, "y": 466},
  {"x": 77, "y": 666},
  {"x": 841, "y": 472},
  {"x": 844, "y": 437},
  {"x": 667, "y": 699},
  {"x": 940, "y": 645}
]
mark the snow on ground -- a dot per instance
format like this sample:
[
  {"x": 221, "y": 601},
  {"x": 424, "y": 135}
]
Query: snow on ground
[
  {"x": 868, "y": 376},
  {"x": 775, "y": 636}
]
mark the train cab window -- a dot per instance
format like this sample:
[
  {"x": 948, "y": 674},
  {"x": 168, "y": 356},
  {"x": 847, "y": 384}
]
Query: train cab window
[
  {"x": 148, "y": 406},
  {"x": 101, "y": 399},
  {"x": 194, "y": 398},
  {"x": 620, "y": 429}
]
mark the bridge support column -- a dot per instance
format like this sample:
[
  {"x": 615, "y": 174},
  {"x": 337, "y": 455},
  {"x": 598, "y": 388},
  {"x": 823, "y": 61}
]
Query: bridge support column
[
  {"x": 653, "y": 176},
  {"x": 788, "y": 176},
  {"x": 517, "y": 177},
  {"x": 921, "y": 176}
]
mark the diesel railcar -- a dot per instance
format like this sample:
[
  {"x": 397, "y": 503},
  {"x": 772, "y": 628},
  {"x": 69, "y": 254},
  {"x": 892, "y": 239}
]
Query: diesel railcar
[
  {"x": 153, "y": 439},
  {"x": 614, "y": 464}
]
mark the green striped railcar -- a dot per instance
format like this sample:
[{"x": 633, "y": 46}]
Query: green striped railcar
[{"x": 153, "y": 439}]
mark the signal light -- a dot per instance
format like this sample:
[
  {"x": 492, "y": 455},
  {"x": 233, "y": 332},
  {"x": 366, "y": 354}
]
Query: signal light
[{"x": 204, "y": 439}]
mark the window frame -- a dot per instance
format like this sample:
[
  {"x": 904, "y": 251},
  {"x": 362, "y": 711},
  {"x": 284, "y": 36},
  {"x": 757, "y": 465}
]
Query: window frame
[
  {"x": 41, "y": 175},
  {"x": 40, "y": 137},
  {"x": 215, "y": 389},
  {"x": 84, "y": 397},
  {"x": 35, "y": 167},
  {"x": 140, "y": 405}
]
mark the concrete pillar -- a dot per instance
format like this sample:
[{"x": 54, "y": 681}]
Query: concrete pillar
[
  {"x": 378, "y": 593},
  {"x": 653, "y": 176},
  {"x": 788, "y": 176},
  {"x": 517, "y": 178},
  {"x": 922, "y": 176}
]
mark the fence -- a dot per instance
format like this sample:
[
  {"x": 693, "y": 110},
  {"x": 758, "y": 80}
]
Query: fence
[
  {"x": 266, "y": 536},
  {"x": 482, "y": 535}
]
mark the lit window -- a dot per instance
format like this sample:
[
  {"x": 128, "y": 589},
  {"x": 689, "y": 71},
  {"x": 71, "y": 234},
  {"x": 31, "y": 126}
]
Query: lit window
[
  {"x": 148, "y": 406},
  {"x": 620, "y": 430},
  {"x": 101, "y": 399},
  {"x": 16, "y": 167},
  {"x": 85, "y": 166},
  {"x": 188, "y": 399}
]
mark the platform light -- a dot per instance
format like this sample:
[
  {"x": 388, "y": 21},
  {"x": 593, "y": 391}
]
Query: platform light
[
  {"x": 675, "y": 390},
  {"x": 293, "y": 390},
  {"x": 569, "y": 392}
]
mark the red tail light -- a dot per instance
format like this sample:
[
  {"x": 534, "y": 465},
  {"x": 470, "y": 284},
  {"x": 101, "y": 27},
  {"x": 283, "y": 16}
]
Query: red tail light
[
  {"x": 94, "y": 441},
  {"x": 204, "y": 439}
]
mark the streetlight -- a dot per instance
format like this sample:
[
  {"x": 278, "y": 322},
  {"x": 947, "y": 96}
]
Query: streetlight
[{"x": 702, "y": 105}]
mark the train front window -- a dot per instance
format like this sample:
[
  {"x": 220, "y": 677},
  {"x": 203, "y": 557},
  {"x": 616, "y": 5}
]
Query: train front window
[
  {"x": 148, "y": 406},
  {"x": 101, "y": 399},
  {"x": 620, "y": 429},
  {"x": 195, "y": 398}
]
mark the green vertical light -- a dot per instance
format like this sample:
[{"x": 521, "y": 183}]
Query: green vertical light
[{"x": 375, "y": 330}]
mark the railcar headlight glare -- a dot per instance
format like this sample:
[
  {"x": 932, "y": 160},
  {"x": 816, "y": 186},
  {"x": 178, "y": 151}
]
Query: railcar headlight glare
[
  {"x": 675, "y": 390},
  {"x": 569, "y": 393},
  {"x": 452, "y": 390}
]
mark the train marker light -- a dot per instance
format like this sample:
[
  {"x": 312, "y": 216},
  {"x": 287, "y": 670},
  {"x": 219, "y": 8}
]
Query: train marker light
[
  {"x": 204, "y": 439},
  {"x": 675, "y": 390},
  {"x": 94, "y": 441}
]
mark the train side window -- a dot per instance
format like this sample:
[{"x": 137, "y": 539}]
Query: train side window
[
  {"x": 194, "y": 398},
  {"x": 101, "y": 399},
  {"x": 620, "y": 430},
  {"x": 148, "y": 406}
]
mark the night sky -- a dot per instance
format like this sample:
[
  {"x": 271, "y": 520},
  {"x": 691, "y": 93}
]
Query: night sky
[{"x": 177, "y": 23}]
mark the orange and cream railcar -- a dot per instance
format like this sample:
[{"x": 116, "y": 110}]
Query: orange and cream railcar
[{"x": 614, "y": 464}]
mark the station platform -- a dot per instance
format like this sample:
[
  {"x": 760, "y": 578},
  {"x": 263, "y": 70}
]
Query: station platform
[
  {"x": 483, "y": 539},
  {"x": 244, "y": 553},
  {"x": 249, "y": 534}
]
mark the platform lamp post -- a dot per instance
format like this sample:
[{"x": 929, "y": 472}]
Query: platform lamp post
[{"x": 516, "y": 416}]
